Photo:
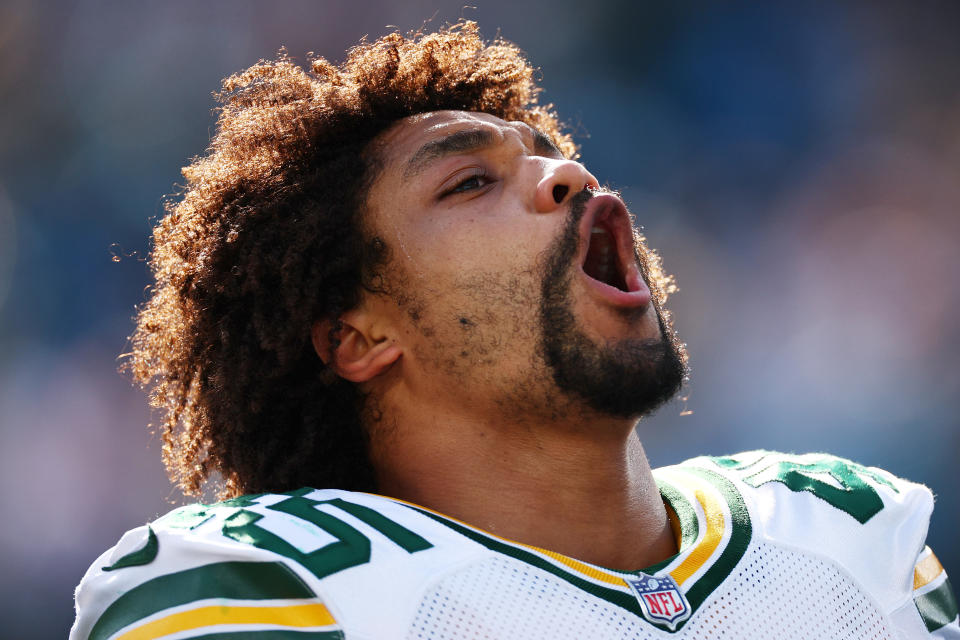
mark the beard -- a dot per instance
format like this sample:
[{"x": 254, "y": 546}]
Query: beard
[
  {"x": 473, "y": 327},
  {"x": 626, "y": 378}
]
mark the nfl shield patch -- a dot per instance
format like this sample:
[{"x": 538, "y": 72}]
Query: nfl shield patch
[{"x": 661, "y": 600}]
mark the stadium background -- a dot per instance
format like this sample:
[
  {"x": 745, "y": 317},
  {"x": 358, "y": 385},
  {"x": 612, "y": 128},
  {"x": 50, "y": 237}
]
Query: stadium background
[{"x": 796, "y": 164}]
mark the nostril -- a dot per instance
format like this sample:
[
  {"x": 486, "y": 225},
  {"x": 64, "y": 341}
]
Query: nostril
[{"x": 560, "y": 192}]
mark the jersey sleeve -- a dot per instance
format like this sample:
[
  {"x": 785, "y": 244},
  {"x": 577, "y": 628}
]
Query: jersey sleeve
[{"x": 157, "y": 583}]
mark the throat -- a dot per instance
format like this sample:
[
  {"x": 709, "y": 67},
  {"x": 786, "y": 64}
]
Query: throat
[{"x": 551, "y": 485}]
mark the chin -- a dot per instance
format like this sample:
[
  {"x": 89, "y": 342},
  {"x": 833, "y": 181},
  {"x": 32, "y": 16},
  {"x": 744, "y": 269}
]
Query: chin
[
  {"x": 605, "y": 323},
  {"x": 619, "y": 356}
]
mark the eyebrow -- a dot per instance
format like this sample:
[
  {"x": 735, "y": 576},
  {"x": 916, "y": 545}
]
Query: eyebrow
[
  {"x": 543, "y": 145},
  {"x": 466, "y": 141},
  {"x": 469, "y": 141}
]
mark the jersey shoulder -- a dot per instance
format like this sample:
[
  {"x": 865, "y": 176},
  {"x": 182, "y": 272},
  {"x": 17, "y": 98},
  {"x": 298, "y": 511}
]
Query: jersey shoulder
[
  {"x": 307, "y": 561},
  {"x": 841, "y": 488},
  {"x": 834, "y": 509}
]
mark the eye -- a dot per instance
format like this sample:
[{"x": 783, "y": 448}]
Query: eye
[{"x": 476, "y": 179}]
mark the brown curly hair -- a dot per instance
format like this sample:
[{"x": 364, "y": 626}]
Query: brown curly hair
[{"x": 268, "y": 238}]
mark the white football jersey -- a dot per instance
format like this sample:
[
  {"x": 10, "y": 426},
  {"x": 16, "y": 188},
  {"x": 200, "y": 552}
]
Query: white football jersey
[{"x": 771, "y": 546}]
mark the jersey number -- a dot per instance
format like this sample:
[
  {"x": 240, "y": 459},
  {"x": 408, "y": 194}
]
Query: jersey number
[
  {"x": 351, "y": 547},
  {"x": 854, "y": 495}
]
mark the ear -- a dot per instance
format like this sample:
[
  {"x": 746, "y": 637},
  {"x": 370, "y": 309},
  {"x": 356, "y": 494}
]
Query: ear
[{"x": 361, "y": 354}]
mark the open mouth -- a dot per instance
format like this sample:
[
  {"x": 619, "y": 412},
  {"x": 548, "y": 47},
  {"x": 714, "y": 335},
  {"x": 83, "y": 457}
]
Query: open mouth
[
  {"x": 607, "y": 249},
  {"x": 603, "y": 260}
]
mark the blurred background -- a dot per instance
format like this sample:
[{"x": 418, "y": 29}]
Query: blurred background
[{"x": 795, "y": 163}]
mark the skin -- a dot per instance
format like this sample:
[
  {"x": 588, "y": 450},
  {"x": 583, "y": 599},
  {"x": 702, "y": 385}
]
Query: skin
[{"x": 464, "y": 410}]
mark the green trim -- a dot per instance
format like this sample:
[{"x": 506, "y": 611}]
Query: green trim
[
  {"x": 689, "y": 523},
  {"x": 273, "y": 634},
  {"x": 622, "y": 599},
  {"x": 740, "y": 533},
  {"x": 144, "y": 555},
  {"x": 938, "y": 608},
  {"x": 237, "y": 580}
]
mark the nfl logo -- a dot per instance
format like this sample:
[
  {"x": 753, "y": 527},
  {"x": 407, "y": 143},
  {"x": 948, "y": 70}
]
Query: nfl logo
[{"x": 660, "y": 599}]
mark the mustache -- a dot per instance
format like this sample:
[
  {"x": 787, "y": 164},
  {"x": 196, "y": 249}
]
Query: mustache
[
  {"x": 578, "y": 206},
  {"x": 559, "y": 256},
  {"x": 565, "y": 246},
  {"x": 566, "y": 243}
]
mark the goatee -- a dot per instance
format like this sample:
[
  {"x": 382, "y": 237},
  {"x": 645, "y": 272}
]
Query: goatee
[{"x": 626, "y": 378}]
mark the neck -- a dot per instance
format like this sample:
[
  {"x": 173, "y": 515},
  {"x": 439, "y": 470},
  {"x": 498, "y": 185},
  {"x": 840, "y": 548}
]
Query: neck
[{"x": 586, "y": 492}]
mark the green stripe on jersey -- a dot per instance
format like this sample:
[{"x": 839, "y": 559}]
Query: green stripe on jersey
[
  {"x": 938, "y": 607},
  {"x": 620, "y": 598},
  {"x": 689, "y": 524},
  {"x": 740, "y": 533},
  {"x": 238, "y": 580},
  {"x": 272, "y": 634}
]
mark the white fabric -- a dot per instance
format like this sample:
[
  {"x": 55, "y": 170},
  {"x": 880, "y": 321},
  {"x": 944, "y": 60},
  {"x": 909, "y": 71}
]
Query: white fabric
[{"x": 810, "y": 571}]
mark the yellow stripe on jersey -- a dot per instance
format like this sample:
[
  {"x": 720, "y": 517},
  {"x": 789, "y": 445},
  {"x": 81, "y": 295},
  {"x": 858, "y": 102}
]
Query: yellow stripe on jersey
[
  {"x": 926, "y": 570},
  {"x": 303, "y": 615},
  {"x": 715, "y": 528},
  {"x": 581, "y": 567}
]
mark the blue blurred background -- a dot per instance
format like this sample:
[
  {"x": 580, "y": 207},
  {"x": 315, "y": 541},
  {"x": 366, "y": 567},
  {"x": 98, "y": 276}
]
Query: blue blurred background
[{"x": 795, "y": 163}]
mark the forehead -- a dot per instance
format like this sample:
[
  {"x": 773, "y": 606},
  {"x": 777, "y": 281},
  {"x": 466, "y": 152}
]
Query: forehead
[{"x": 406, "y": 137}]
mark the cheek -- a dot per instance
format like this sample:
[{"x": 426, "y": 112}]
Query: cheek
[
  {"x": 494, "y": 230},
  {"x": 448, "y": 257},
  {"x": 484, "y": 319}
]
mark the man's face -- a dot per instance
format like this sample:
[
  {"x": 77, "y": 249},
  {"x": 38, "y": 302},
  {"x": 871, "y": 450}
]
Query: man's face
[{"x": 517, "y": 285}]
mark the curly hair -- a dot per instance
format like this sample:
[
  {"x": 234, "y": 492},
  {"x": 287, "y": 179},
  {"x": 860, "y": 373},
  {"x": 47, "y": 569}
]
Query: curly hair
[{"x": 268, "y": 237}]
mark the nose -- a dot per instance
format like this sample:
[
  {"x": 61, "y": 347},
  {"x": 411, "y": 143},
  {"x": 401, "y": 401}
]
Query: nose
[{"x": 562, "y": 179}]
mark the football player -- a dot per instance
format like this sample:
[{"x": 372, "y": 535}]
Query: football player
[{"x": 411, "y": 337}]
